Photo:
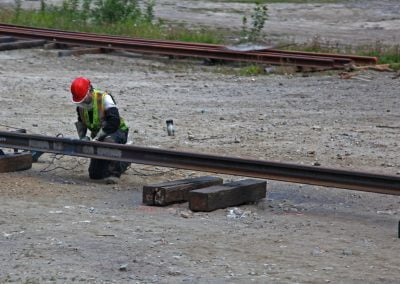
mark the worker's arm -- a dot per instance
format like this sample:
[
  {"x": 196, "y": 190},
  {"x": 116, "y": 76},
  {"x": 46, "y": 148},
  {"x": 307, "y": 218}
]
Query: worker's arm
[
  {"x": 79, "y": 115},
  {"x": 80, "y": 127},
  {"x": 111, "y": 120}
]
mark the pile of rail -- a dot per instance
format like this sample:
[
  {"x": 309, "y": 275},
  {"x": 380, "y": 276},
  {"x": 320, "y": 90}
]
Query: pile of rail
[
  {"x": 197, "y": 50},
  {"x": 362, "y": 181}
]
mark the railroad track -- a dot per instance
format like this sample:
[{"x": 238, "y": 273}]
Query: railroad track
[
  {"x": 196, "y": 50},
  {"x": 354, "y": 180}
]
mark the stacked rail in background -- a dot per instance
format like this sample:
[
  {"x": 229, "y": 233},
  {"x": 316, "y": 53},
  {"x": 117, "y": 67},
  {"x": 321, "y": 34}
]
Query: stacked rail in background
[{"x": 196, "y": 50}]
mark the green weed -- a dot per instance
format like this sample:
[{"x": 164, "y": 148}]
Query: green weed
[
  {"x": 118, "y": 17},
  {"x": 386, "y": 54},
  {"x": 251, "y": 32},
  {"x": 395, "y": 66},
  {"x": 251, "y": 70}
]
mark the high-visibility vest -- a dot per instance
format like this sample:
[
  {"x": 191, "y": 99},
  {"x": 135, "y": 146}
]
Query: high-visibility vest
[{"x": 98, "y": 113}]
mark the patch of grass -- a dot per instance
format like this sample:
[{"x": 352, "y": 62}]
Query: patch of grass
[
  {"x": 251, "y": 70},
  {"x": 395, "y": 66},
  {"x": 115, "y": 19},
  {"x": 239, "y": 69},
  {"x": 254, "y": 70},
  {"x": 202, "y": 35},
  {"x": 386, "y": 54}
]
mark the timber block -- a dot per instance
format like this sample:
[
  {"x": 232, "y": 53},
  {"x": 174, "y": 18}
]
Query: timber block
[
  {"x": 175, "y": 191},
  {"x": 226, "y": 195},
  {"x": 15, "y": 162}
]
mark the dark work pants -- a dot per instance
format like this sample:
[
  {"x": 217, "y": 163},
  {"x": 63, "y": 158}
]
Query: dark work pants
[{"x": 99, "y": 169}]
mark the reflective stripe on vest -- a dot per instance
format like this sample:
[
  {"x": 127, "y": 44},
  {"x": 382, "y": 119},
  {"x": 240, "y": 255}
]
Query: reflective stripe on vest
[{"x": 98, "y": 113}]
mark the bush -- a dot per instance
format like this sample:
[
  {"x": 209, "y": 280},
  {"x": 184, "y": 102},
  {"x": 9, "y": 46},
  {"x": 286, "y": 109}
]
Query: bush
[
  {"x": 117, "y": 17},
  {"x": 252, "y": 70},
  {"x": 113, "y": 11},
  {"x": 252, "y": 31},
  {"x": 97, "y": 11}
]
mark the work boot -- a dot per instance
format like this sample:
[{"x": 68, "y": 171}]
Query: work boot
[
  {"x": 111, "y": 180},
  {"x": 124, "y": 166},
  {"x": 114, "y": 168}
]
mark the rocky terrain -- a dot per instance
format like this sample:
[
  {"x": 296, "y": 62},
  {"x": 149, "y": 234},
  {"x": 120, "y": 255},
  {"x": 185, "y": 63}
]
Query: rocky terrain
[{"x": 58, "y": 226}]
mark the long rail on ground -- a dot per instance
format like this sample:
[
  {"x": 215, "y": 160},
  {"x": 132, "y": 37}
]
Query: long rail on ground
[
  {"x": 197, "y": 50},
  {"x": 362, "y": 181}
]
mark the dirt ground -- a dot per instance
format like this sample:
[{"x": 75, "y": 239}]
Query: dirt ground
[{"x": 58, "y": 226}]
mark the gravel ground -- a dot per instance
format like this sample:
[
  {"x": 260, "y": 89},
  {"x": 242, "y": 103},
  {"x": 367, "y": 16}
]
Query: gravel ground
[{"x": 58, "y": 226}]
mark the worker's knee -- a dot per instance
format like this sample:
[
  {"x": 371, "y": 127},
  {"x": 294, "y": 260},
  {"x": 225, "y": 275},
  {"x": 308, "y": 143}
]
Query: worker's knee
[
  {"x": 99, "y": 169},
  {"x": 109, "y": 139},
  {"x": 95, "y": 175},
  {"x": 119, "y": 137}
]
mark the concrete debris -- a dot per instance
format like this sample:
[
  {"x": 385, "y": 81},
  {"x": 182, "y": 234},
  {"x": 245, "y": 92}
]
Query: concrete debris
[
  {"x": 237, "y": 213},
  {"x": 317, "y": 252},
  {"x": 123, "y": 267},
  {"x": 347, "y": 252},
  {"x": 388, "y": 212},
  {"x": 56, "y": 212},
  {"x": 186, "y": 214}
]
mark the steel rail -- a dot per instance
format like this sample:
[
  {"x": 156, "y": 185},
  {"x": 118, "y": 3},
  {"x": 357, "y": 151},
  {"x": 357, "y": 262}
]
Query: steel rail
[
  {"x": 171, "y": 50},
  {"x": 166, "y": 49},
  {"x": 194, "y": 50},
  {"x": 362, "y": 60},
  {"x": 362, "y": 181},
  {"x": 338, "y": 59}
]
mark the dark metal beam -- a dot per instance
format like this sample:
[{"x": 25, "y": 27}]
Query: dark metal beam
[
  {"x": 21, "y": 44},
  {"x": 338, "y": 58},
  {"x": 362, "y": 181}
]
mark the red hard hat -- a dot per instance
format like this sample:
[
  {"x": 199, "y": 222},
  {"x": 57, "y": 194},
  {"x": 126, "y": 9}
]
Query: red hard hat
[{"x": 79, "y": 88}]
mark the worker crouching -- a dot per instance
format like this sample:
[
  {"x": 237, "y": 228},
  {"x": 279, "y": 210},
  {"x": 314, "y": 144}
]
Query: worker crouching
[{"x": 98, "y": 112}]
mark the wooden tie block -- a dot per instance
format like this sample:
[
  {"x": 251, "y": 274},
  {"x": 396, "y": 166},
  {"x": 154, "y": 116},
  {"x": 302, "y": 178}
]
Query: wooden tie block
[
  {"x": 175, "y": 191},
  {"x": 15, "y": 162},
  {"x": 226, "y": 195}
]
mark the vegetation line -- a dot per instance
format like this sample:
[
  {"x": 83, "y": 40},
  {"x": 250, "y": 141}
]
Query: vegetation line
[
  {"x": 116, "y": 17},
  {"x": 127, "y": 17}
]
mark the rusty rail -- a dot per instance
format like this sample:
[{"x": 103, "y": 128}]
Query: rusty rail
[
  {"x": 175, "y": 48},
  {"x": 345, "y": 58},
  {"x": 362, "y": 181}
]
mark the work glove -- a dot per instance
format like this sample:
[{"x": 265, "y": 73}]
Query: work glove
[{"x": 100, "y": 135}]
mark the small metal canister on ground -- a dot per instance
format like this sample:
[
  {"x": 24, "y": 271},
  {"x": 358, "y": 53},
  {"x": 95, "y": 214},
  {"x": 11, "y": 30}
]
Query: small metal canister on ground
[{"x": 170, "y": 127}]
